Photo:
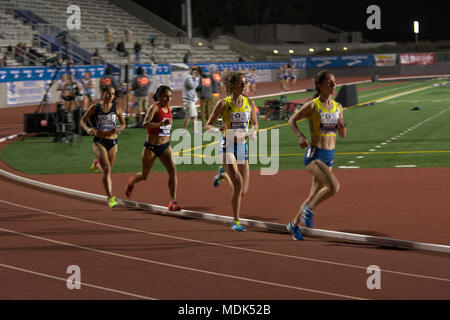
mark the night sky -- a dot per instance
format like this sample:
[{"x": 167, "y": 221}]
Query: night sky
[{"x": 396, "y": 16}]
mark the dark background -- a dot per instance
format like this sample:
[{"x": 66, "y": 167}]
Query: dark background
[{"x": 396, "y": 16}]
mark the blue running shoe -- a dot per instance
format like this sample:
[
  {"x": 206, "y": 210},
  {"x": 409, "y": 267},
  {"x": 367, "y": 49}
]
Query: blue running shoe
[
  {"x": 218, "y": 179},
  {"x": 236, "y": 226},
  {"x": 307, "y": 216},
  {"x": 296, "y": 233}
]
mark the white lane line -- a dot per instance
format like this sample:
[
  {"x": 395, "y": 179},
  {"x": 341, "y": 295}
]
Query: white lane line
[
  {"x": 217, "y": 244},
  {"x": 224, "y": 275},
  {"x": 348, "y": 167},
  {"x": 76, "y": 282},
  {"x": 406, "y": 166}
]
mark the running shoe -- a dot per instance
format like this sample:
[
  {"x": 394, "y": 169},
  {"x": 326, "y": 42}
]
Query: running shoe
[
  {"x": 94, "y": 166},
  {"x": 174, "y": 206},
  {"x": 307, "y": 216},
  {"x": 218, "y": 179},
  {"x": 129, "y": 188},
  {"x": 112, "y": 202},
  {"x": 295, "y": 231},
  {"x": 236, "y": 226}
]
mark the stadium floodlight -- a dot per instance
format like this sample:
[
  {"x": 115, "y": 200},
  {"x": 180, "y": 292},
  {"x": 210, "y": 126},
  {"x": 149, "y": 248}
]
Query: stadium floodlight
[
  {"x": 275, "y": 51},
  {"x": 200, "y": 44},
  {"x": 311, "y": 49},
  {"x": 416, "y": 30},
  {"x": 345, "y": 48},
  {"x": 291, "y": 51},
  {"x": 328, "y": 49}
]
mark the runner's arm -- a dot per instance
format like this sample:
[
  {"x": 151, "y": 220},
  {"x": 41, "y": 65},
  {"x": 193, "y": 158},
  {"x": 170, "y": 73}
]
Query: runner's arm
[
  {"x": 218, "y": 110},
  {"x": 86, "y": 116},
  {"x": 342, "y": 125}
]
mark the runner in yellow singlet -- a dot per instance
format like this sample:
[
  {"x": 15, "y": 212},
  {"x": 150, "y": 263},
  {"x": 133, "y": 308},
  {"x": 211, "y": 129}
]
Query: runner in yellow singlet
[
  {"x": 325, "y": 118},
  {"x": 237, "y": 112}
]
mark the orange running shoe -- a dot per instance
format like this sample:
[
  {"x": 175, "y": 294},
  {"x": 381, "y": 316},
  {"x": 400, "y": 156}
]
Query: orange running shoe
[{"x": 174, "y": 206}]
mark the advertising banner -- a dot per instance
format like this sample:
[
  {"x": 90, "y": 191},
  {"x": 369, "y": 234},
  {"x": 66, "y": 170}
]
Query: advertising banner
[
  {"x": 365, "y": 60},
  {"x": 46, "y": 73},
  {"x": 385, "y": 60},
  {"x": 26, "y": 92},
  {"x": 155, "y": 69},
  {"x": 425, "y": 58}
]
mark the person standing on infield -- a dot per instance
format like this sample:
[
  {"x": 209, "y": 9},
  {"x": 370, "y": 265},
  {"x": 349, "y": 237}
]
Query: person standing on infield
[
  {"x": 325, "y": 117},
  {"x": 190, "y": 84}
]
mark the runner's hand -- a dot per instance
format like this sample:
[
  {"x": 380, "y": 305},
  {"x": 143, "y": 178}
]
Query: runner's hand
[
  {"x": 303, "y": 142},
  {"x": 92, "y": 132}
]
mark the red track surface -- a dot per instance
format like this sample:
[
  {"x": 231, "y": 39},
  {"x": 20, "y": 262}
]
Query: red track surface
[{"x": 146, "y": 255}]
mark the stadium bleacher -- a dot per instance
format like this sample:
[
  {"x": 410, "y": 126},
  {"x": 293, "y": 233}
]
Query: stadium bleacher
[{"x": 96, "y": 17}]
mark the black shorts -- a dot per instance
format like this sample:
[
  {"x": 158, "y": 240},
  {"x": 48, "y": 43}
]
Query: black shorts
[
  {"x": 107, "y": 143},
  {"x": 157, "y": 149},
  {"x": 69, "y": 98}
]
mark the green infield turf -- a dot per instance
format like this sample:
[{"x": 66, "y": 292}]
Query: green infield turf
[{"x": 384, "y": 134}]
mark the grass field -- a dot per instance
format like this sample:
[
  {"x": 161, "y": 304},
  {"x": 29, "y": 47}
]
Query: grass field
[{"x": 382, "y": 135}]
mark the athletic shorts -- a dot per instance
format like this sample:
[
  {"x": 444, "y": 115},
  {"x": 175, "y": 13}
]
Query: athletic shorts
[
  {"x": 157, "y": 149},
  {"x": 191, "y": 109},
  {"x": 240, "y": 150},
  {"x": 314, "y": 153},
  {"x": 107, "y": 143}
]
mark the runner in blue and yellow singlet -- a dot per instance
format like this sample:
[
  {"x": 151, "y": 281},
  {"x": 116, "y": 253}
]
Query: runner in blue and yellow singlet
[
  {"x": 326, "y": 119},
  {"x": 237, "y": 112}
]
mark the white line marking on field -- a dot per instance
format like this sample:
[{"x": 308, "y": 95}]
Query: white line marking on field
[
  {"x": 348, "y": 167},
  {"x": 82, "y": 283},
  {"x": 211, "y": 273},
  {"x": 215, "y": 244},
  {"x": 406, "y": 166}
]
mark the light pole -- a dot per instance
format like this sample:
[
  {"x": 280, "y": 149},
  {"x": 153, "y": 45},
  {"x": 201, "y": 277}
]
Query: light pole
[
  {"x": 189, "y": 18},
  {"x": 416, "y": 31}
]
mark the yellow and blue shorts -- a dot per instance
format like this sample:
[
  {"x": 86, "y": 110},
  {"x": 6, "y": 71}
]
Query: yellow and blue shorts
[{"x": 314, "y": 153}]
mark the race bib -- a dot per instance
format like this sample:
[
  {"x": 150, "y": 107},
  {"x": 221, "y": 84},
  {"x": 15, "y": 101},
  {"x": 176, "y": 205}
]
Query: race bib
[
  {"x": 239, "y": 120},
  {"x": 164, "y": 131},
  {"x": 107, "y": 122},
  {"x": 328, "y": 121}
]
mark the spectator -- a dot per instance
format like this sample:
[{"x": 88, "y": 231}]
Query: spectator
[
  {"x": 141, "y": 85},
  {"x": 241, "y": 59},
  {"x": 34, "y": 55},
  {"x": 121, "y": 49},
  {"x": 154, "y": 51},
  {"x": 190, "y": 83},
  {"x": 128, "y": 36},
  {"x": 217, "y": 86},
  {"x": 187, "y": 56},
  {"x": 19, "y": 53},
  {"x": 107, "y": 80},
  {"x": 205, "y": 92},
  {"x": 9, "y": 51},
  {"x": 109, "y": 39},
  {"x": 137, "y": 51},
  {"x": 96, "y": 57},
  {"x": 3, "y": 62}
]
